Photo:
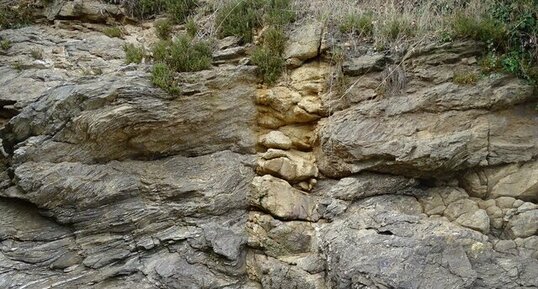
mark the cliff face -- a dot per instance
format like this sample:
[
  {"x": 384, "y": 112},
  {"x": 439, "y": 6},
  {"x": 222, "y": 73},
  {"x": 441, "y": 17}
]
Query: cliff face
[{"x": 400, "y": 179}]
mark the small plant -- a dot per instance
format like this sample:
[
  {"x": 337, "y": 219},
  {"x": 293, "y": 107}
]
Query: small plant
[
  {"x": 16, "y": 16},
  {"x": 270, "y": 64},
  {"x": 465, "y": 78},
  {"x": 274, "y": 40},
  {"x": 162, "y": 76},
  {"x": 278, "y": 12},
  {"x": 5, "y": 44},
  {"x": 481, "y": 29},
  {"x": 183, "y": 54},
  {"x": 490, "y": 63},
  {"x": 133, "y": 53},
  {"x": 177, "y": 10},
  {"x": 17, "y": 66},
  {"x": 191, "y": 28},
  {"x": 113, "y": 32},
  {"x": 239, "y": 18},
  {"x": 397, "y": 28},
  {"x": 163, "y": 28},
  {"x": 36, "y": 54},
  {"x": 360, "y": 24}
]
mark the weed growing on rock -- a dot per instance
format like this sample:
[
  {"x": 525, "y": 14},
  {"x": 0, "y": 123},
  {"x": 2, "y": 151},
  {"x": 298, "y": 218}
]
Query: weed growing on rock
[
  {"x": 163, "y": 29},
  {"x": 36, "y": 54},
  {"x": 183, "y": 54},
  {"x": 240, "y": 18},
  {"x": 177, "y": 10},
  {"x": 274, "y": 39},
  {"x": 360, "y": 24},
  {"x": 191, "y": 28},
  {"x": 510, "y": 31},
  {"x": 465, "y": 78},
  {"x": 397, "y": 28},
  {"x": 113, "y": 32},
  {"x": 5, "y": 44},
  {"x": 15, "y": 16},
  {"x": 133, "y": 53},
  {"x": 270, "y": 64},
  {"x": 162, "y": 76}
]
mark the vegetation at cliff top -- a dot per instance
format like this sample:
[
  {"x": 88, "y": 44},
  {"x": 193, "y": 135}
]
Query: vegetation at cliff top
[
  {"x": 508, "y": 28},
  {"x": 177, "y": 10},
  {"x": 15, "y": 16},
  {"x": 241, "y": 18},
  {"x": 133, "y": 53}
]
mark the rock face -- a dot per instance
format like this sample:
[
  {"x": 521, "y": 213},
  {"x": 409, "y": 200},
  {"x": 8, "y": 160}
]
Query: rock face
[{"x": 405, "y": 180}]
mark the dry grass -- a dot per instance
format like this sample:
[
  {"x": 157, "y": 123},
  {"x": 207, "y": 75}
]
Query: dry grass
[{"x": 394, "y": 22}]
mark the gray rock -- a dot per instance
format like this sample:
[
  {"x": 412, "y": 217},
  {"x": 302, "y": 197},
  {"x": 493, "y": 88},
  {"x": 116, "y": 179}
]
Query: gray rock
[
  {"x": 379, "y": 245},
  {"x": 122, "y": 116},
  {"x": 413, "y": 145},
  {"x": 305, "y": 41},
  {"x": 363, "y": 64}
]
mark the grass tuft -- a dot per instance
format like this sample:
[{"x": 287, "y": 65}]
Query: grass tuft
[
  {"x": 162, "y": 76},
  {"x": 163, "y": 29},
  {"x": 36, "y": 54},
  {"x": 5, "y": 44},
  {"x": 270, "y": 64},
  {"x": 360, "y": 24},
  {"x": 177, "y": 10},
  {"x": 133, "y": 53},
  {"x": 191, "y": 27},
  {"x": 113, "y": 32},
  {"x": 183, "y": 54},
  {"x": 465, "y": 78}
]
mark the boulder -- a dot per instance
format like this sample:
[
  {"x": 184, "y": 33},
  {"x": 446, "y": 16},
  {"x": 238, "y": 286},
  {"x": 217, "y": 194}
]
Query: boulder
[{"x": 281, "y": 200}]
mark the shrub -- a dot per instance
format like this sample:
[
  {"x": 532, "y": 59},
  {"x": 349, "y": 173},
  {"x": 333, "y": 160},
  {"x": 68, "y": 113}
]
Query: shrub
[
  {"x": 133, "y": 53},
  {"x": 15, "y": 17},
  {"x": 191, "y": 27},
  {"x": 183, "y": 55},
  {"x": 163, "y": 28},
  {"x": 113, "y": 32},
  {"x": 465, "y": 78},
  {"x": 269, "y": 63},
  {"x": 177, "y": 10},
  {"x": 240, "y": 18},
  {"x": 274, "y": 40},
  {"x": 163, "y": 77},
  {"x": 278, "y": 12},
  {"x": 360, "y": 24}
]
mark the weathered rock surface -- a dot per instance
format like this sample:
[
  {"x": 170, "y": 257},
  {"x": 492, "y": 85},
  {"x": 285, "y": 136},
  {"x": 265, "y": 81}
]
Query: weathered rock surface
[
  {"x": 122, "y": 116},
  {"x": 171, "y": 221},
  {"x": 385, "y": 242},
  {"x": 516, "y": 180},
  {"x": 305, "y": 41},
  {"x": 415, "y": 145},
  {"x": 399, "y": 179}
]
